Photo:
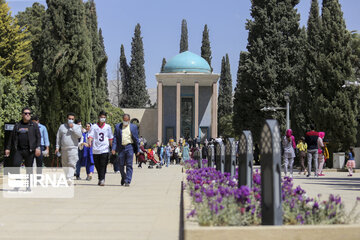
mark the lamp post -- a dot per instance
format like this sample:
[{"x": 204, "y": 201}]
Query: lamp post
[
  {"x": 287, "y": 108},
  {"x": 287, "y": 99}
]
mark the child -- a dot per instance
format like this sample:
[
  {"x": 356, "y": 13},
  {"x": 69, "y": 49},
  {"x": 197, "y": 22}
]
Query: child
[
  {"x": 351, "y": 162},
  {"x": 302, "y": 146}
]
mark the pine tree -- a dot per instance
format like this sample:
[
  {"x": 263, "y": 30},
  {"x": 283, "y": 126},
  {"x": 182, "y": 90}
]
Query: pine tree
[
  {"x": 138, "y": 96},
  {"x": 124, "y": 71},
  {"x": 102, "y": 69},
  {"x": 15, "y": 47},
  {"x": 163, "y": 65},
  {"x": 225, "y": 91},
  {"x": 333, "y": 111},
  {"x": 184, "y": 37},
  {"x": 273, "y": 63},
  {"x": 67, "y": 64},
  {"x": 205, "y": 46}
]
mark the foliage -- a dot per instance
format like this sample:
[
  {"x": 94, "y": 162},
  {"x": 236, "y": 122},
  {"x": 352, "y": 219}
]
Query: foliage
[
  {"x": 333, "y": 111},
  {"x": 124, "y": 69},
  {"x": 205, "y": 46},
  {"x": 226, "y": 128},
  {"x": 114, "y": 114},
  {"x": 67, "y": 64},
  {"x": 272, "y": 65},
  {"x": 163, "y": 65},
  {"x": 15, "y": 48},
  {"x": 225, "y": 95},
  {"x": 184, "y": 37},
  {"x": 137, "y": 93}
]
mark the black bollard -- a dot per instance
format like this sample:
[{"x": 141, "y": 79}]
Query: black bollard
[
  {"x": 211, "y": 155},
  {"x": 220, "y": 157},
  {"x": 271, "y": 208},
  {"x": 230, "y": 156},
  {"x": 245, "y": 159}
]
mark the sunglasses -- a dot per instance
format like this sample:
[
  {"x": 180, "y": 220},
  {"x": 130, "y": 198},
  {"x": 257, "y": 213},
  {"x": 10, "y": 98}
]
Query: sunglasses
[{"x": 27, "y": 113}]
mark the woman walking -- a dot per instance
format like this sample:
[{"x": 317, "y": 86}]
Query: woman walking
[
  {"x": 321, "y": 153},
  {"x": 185, "y": 153},
  {"x": 289, "y": 153}
]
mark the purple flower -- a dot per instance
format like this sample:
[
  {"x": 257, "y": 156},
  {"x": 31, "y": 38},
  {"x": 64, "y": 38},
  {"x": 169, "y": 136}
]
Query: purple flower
[{"x": 192, "y": 213}]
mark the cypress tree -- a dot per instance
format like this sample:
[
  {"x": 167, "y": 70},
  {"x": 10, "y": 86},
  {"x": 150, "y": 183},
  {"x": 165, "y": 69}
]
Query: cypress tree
[
  {"x": 205, "y": 46},
  {"x": 99, "y": 77},
  {"x": 31, "y": 20},
  {"x": 138, "y": 96},
  {"x": 184, "y": 37},
  {"x": 125, "y": 79},
  {"x": 163, "y": 65},
  {"x": 225, "y": 92},
  {"x": 273, "y": 63},
  {"x": 243, "y": 97},
  {"x": 334, "y": 112},
  {"x": 67, "y": 64},
  {"x": 225, "y": 88}
]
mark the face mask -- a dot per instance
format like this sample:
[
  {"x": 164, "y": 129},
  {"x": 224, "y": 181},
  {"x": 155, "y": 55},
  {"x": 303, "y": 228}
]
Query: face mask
[
  {"x": 70, "y": 121},
  {"x": 126, "y": 123},
  {"x": 102, "y": 120}
]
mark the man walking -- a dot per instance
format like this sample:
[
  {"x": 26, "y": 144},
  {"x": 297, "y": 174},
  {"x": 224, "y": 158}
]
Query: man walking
[
  {"x": 101, "y": 138},
  {"x": 126, "y": 143},
  {"x": 311, "y": 140},
  {"x": 44, "y": 144},
  {"x": 24, "y": 142},
  {"x": 67, "y": 141}
]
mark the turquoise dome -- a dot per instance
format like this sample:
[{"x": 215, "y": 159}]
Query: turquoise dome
[{"x": 187, "y": 62}]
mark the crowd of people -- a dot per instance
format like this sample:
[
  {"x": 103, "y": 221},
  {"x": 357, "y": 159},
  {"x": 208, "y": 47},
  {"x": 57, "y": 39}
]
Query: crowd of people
[
  {"x": 92, "y": 147},
  {"x": 313, "y": 148}
]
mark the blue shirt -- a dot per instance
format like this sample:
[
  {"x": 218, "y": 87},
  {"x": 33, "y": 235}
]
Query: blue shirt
[{"x": 44, "y": 136}]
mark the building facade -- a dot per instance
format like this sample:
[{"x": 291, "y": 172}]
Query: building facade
[{"x": 186, "y": 99}]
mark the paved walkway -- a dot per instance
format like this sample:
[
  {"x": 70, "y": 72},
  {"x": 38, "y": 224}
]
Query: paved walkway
[
  {"x": 148, "y": 209},
  {"x": 337, "y": 183}
]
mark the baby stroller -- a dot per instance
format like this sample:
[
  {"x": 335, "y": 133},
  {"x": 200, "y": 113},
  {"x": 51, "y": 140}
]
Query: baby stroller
[{"x": 151, "y": 158}]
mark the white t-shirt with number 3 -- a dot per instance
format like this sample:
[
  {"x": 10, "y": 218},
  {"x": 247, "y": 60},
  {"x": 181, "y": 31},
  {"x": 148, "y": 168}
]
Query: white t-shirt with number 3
[{"x": 100, "y": 138}]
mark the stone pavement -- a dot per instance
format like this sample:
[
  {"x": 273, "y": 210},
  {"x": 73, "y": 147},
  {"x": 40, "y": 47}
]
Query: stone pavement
[
  {"x": 148, "y": 209},
  {"x": 337, "y": 183}
]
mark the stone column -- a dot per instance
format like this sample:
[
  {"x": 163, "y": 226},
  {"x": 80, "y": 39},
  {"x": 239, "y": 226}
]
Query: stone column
[
  {"x": 196, "y": 110},
  {"x": 178, "y": 110},
  {"x": 160, "y": 111},
  {"x": 214, "y": 111}
]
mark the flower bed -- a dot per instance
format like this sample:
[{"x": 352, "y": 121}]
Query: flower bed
[{"x": 217, "y": 201}]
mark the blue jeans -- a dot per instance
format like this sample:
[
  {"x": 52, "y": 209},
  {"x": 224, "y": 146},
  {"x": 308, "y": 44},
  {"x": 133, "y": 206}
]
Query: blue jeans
[
  {"x": 126, "y": 156},
  {"x": 78, "y": 165},
  {"x": 116, "y": 164}
]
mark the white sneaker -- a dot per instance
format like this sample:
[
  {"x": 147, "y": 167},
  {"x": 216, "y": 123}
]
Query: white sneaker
[{"x": 117, "y": 172}]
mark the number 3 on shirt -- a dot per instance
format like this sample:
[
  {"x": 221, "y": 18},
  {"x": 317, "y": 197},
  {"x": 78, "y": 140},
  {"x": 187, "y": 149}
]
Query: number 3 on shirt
[{"x": 101, "y": 139}]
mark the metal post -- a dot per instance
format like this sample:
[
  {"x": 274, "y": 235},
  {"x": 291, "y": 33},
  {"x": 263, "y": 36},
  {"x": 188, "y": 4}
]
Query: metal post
[
  {"x": 230, "y": 156},
  {"x": 271, "y": 207},
  {"x": 211, "y": 155},
  {"x": 287, "y": 99},
  {"x": 246, "y": 159}
]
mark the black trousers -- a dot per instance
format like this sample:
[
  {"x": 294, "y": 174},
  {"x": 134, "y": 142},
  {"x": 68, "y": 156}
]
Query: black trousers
[
  {"x": 101, "y": 161},
  {"x": 28, "y": 158}
]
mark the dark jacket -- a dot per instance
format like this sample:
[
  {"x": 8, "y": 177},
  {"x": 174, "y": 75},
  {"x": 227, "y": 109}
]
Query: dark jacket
[
  {"x": 117, "y": 146},
  {"x": 33, "y": 134},
  {"x": 311, "y": 139}
]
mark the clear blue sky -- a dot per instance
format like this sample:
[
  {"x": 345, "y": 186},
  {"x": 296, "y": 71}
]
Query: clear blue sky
[{"x": 161, "y": 22}]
